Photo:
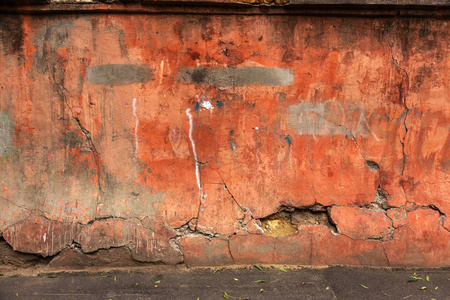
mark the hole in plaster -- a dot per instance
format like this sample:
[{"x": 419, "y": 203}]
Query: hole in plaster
[
  {"x": 380, "y": 199},
  {"x": 373, "y": 166},
  {"x": 286, "y": 221}
]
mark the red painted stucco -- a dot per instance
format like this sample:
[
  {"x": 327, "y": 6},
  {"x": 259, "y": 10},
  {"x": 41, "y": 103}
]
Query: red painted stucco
[{"x": 173, "y": 135}]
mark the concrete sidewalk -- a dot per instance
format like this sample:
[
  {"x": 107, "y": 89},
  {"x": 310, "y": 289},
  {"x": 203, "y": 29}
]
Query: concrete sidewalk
[{"x": 250, "y": 282}]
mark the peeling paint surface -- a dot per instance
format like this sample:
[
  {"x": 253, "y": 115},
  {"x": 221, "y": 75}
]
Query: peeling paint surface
[{"x": 184, "y": 138}]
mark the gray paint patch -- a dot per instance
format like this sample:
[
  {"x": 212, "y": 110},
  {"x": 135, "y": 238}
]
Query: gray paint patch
[
  {"x": 5, "y": 134},
  {"x": 328, "y": 118},
  {"x": 237, "y": 76},
  {"x": 118, "y": 74}
]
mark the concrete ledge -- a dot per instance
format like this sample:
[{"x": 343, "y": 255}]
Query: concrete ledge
[{"x": 321, "y": 3}]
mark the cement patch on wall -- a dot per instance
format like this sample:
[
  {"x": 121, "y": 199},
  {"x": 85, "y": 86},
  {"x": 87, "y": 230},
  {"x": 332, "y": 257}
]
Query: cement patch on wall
[
  {"x": 118, "y": 74},
  {"x": 6, "y": 144},
  {"x": 240, "y": 76}
]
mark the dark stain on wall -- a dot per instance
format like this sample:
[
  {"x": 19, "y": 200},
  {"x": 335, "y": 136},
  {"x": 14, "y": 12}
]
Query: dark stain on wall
[{"x": 11, "y": 33}]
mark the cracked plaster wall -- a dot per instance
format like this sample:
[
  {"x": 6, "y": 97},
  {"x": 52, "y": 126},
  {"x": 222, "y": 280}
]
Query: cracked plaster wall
[{"x": 169, "y": 155}]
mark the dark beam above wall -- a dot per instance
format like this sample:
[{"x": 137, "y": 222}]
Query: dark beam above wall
[
  {"x": 267, "y": 2},
  {"x": 422, "y": 8}
]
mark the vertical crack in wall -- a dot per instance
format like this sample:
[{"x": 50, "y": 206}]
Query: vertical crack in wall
[
  {"x": 89, "y": 143},
  {"x": 229, "y": 250},
  {"x": 442, "y": 216},
  {"x": 244, "y": 209},
  {"x": 381, "y": 194},
  {"x": 385, "y": 254},
  {"x": 403, "y": 94}
]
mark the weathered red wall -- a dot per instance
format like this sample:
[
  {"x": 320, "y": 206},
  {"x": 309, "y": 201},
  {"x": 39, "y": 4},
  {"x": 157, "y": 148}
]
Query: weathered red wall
[{"x": 171, "y": 136}]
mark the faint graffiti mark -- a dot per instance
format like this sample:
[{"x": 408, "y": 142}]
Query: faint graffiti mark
[{"x": 329, "y": 118}]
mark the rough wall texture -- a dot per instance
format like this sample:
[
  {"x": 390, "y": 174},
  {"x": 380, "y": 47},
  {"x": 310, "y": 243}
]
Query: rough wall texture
[{"x": 215, "y": 140}]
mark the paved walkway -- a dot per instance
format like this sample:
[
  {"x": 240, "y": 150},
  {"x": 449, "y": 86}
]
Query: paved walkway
[{"x": 268, "y": 282}]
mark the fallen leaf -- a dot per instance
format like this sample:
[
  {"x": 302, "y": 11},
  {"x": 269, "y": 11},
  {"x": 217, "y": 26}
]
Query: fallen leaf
[
  {"x": 198, "y": 298},
  {"x": 406, "y": 297},
  {"x": 115, "y": 278},
  {"x": 423, "y": 288},
  {"x": 303, "y": 283},
  {"x": 17, "y": 294},
  {"x": 261, "y": 290},
  {"x": 105, "y": 276},
  {"x": 436, "y": 288},
  {"x": 215, "y": 271},
  {"x": 158, "y": 281},
  {"x": 258, "y": 267},
  {"x": 258, "y": 281},
  {"x": 236, "y": 279},
  {"x": 225, "y": 295},
  {"x": 362, "y": 285},
  {"x": 427, "y": 278},
  {"x": 327, "y": 288},
  {"x": 281, "y": 269}
]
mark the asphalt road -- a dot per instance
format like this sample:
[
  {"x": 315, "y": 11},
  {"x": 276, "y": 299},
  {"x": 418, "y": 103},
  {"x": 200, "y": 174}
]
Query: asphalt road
[{"x": 271, "y": 282}]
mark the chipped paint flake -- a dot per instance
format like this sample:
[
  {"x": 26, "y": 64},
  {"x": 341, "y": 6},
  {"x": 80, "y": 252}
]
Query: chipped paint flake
[{"x": 207, "y": 105}]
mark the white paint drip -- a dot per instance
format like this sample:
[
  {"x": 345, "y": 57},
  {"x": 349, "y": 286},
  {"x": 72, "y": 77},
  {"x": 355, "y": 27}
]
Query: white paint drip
[
  {"x": 136, "y": 141},
  {"x": 162, "y": 72},
  {"x": 197, "y": 166}
]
